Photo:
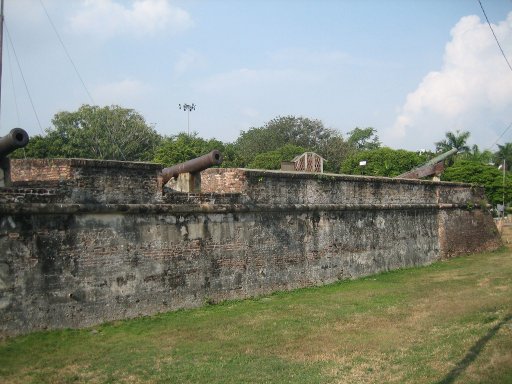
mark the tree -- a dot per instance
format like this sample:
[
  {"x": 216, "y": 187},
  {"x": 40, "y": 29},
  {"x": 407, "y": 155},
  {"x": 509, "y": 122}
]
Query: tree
[
  {"x": 456, "y": 140},
  {"x": 300, "y": 131},
  {"x": 364, "y": 138},
  {"x": 334, "y": 150},
  {"x": 94, "y": 132},
  {"x": 504, "y": 153},
  {"x": 382, "y": 162},
  {"x": 484, "y": 157},
  {"x": 39, "y": 147},
  {"x": 183, "y": 147},
  {"x": 489, "y": 176},
  {"x": 273, "y": 159}
]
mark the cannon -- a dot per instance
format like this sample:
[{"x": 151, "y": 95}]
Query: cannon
[
  {"x": 193, "y": 166},
  {"x": 433, "y": 167},
  {"x": 17, "y": 138}
]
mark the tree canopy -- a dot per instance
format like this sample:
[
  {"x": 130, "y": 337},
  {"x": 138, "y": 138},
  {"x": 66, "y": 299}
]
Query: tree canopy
[
  {"x": 382, "y": 162},
  {"x": 504, "y": 153},
  {"x": 456, "y": 140},
  {"x": 94, "y": 132},
  {"x": 299, "y": 131},
  {"x": 273, "y": 159},
  {"x": 363, "y": 139},
  {"x": 183, "y": 147},
  {"x": 489, "y": 176}
]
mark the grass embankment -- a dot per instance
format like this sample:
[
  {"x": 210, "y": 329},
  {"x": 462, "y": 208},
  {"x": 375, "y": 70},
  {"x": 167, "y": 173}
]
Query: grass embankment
[{"x": 449, "y": 322}]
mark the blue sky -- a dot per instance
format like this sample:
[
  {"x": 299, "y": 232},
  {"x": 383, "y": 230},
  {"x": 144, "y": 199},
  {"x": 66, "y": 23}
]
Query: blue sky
[{"x": 411, "y": 69}]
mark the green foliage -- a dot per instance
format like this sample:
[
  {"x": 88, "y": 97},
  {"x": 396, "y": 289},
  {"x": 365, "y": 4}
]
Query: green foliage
[
  {"x": 484, "y": 157},
  {"x": 299, "y": 131},
  {"x": 334, "y": 151},
  {"x": 39, "y": 147},
  {"x": 504, "y": 153},
  {"x": 490, "y": 177},
  {"x": 382, "y": 162},
  {"x": 183, "y": 147},
  {"x": 273, "y": 159},
  {"x": 454, "y": 140},
  {"x": 232, "y": 157},
  {"x": 95, "y": 132},
  {"x": 363, "y": 139}
]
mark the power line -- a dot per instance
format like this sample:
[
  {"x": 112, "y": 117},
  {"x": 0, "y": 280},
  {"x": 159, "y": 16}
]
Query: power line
[
  {"x": 498, "y": 139},
  {"x": 12, "y": 84},
  {"x": 23, "y": 77},
  {"x": 67, "y": 53},
  {"x": 505, "y": 57},
  {"x": 81, "y": 80},
  {"x": 495, "y": 37}
]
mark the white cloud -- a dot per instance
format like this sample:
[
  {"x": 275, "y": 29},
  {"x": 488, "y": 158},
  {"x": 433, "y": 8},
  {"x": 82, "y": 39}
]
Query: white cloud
[
  {"x": 108, "y": 18},
  {"x": 473, "y": 88},
  {"x": 188, "y": 60},
  {"x": 123, "y": 92}
]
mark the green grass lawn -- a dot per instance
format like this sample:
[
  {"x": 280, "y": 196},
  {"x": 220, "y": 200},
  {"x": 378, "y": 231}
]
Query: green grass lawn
[{"x": 450, "y": 322}]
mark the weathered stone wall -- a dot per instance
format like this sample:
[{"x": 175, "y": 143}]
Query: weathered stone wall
[
  {"x": 91, "y": 181},
  {"x": 79, "y": 263}
]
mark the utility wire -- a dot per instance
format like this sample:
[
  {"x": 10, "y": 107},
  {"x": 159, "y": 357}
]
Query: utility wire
[
  {"x": 498, "y": 139},
  {"x": 81, "y": 79},
  {"x": 505, "y": 57},
  {"x": 67, "y": 53},
  {"x": 495, "y": 37},
  {"x": 23, "y": 77},
  {"x": 11, "y": 75}
]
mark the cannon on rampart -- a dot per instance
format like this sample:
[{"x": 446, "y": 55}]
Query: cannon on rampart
[
  {"x": 188, "y": 174},
  {"x": 433, "y": 167},
  {"x": 17, "y": 138}
]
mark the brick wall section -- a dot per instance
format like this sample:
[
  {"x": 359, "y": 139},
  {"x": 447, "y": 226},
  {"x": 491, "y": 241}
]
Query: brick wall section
[
  {"x": 223, "y": 180},
  {"x": 92, "y": 181},
  {"x": 108, "y": 245},
  {"x": 465, "y": 231},
  {"x": 41, "y": 170}
]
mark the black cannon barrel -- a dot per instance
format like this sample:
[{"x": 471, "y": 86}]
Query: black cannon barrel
[
  {"x": 15, "y": 139},
  {"x": 192, "y": 166}
]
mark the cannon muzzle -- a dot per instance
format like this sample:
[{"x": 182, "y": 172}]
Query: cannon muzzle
[
  {"x": 192, "y": 166},
  {"x": 15, "y": 139}
]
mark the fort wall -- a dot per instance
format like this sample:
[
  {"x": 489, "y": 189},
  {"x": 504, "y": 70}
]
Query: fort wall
[{"x": 106, "y": 241}]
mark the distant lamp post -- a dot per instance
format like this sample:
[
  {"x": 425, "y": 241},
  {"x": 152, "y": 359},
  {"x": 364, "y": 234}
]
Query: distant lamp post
[{"x": 188, "y": 108}]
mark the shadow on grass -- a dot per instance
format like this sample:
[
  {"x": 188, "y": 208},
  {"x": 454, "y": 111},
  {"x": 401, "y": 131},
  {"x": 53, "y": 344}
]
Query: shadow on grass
[{"x": 473, "y": 352}]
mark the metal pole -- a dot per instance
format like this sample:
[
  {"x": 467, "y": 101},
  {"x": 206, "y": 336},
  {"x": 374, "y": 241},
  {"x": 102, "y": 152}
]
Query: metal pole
[
  {"x": 1, "y": 45},
  {"x": 504, "y": 167}
]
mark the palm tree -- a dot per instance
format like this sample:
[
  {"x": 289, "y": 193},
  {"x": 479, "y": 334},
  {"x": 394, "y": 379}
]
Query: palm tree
[
  {"x": 478, "y": 156},
  {"x": 454, "y": 140},
  {"x": 504, "y": 153}
]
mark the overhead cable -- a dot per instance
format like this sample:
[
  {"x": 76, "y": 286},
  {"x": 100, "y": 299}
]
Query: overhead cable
[
  {"x": 81, "y": 80},
  {"x": 67, "y": 53},
  {"x": 23, "y": 77},
  {"x": 498, "y": 139},
  {"x": 11, "y": 75},
  {"x": 495, "y": 37}
]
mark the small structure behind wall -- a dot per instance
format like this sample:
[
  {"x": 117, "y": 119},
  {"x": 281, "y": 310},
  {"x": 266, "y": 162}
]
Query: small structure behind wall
[{"x": 307, "y": 162}]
